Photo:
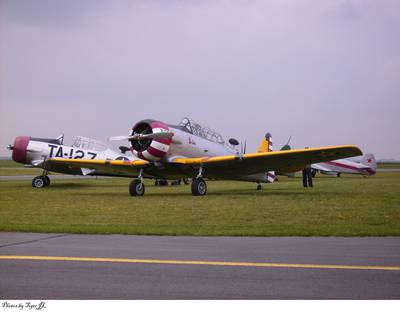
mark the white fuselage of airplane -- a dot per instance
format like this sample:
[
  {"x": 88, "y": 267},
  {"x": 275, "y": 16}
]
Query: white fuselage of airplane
[
  {"x": 188, "y": 145},
  {"x": 366, "y": 167},
  {"x": 34, "y": 151}
]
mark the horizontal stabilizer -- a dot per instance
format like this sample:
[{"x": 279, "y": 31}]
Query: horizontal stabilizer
[{"x": 87, "y": 171}]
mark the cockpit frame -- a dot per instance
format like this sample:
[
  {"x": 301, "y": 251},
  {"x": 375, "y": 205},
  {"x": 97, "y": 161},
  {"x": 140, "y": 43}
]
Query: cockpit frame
[
  {"x": 88, "y": 144},
  {"x": 197, "y": 129}
]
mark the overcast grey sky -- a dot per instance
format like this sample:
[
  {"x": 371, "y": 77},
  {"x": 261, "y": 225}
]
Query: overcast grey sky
[{"x": 324, "y": 72}]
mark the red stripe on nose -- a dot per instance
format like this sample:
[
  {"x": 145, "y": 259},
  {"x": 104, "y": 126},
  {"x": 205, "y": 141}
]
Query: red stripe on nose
[
  {"x": 165, "y": 141},
  {"x": 19, "y": 150},
  {"x": 155, "y": 152},
  {"x": 157, "y": 124}
]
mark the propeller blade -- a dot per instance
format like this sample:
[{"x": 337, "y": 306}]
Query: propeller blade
[
  {"x": 155, "y": 135},
  {"x": 290, "y": 138},
  {"x": 119, "y": 138},
  {"x": 142, "y": 136},
  {"x": 245, "y": 146}
]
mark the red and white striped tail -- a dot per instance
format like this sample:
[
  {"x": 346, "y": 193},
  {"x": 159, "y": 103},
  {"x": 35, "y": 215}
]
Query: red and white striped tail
[
  {"x": 271, "y": 177},
  {"x": 271, "y": 174}
]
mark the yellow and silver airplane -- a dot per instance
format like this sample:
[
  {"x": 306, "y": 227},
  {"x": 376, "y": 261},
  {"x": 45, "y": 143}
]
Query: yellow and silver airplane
[{"x": 189, "y": 150}]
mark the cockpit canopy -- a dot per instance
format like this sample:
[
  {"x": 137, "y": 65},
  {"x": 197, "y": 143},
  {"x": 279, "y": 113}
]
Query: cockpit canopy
[
  {"x": 88, "y": 144},
  {"x": 194, "y": 128}
]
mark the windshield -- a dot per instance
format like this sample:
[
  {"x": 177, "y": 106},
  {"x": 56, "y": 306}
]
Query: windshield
[
  {"x": 88, "y": 144},
  {"x": 196, "y": 129}
]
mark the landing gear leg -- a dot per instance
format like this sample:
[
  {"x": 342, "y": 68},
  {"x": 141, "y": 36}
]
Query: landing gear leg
[
  {"x": 136, "y": 187},
  {"x": 199, "y": 186}
]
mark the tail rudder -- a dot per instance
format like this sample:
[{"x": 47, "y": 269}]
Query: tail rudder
[
  {"x": 266, "y": 144},
  {"x": 369, "y": 160}
]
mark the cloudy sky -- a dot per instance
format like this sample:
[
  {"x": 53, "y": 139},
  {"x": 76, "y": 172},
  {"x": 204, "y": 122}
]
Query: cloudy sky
[{"x": 323, "y": 72}]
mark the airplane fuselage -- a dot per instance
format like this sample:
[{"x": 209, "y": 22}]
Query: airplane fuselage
[
  {"x": 344, "y": 166},
  {"x": 191, "y": 146},
  {"x": 34, "y": 151}
]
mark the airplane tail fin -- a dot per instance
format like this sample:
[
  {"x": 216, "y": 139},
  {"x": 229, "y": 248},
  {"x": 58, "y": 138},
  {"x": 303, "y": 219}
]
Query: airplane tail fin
[
  {"x": 266, "y": 144},
  {"x": 369, "y": 160}
]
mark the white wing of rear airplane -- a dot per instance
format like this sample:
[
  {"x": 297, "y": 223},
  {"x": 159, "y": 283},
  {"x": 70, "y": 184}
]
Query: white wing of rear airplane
[{"x": 320, "y": 167}]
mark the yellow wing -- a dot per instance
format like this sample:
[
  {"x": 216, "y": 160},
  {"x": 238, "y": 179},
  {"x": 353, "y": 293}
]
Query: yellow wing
[
  {"x": 219, "y": 167},
  {"x": 96, "y": 167},
  {"x": 281, "y": 161}
]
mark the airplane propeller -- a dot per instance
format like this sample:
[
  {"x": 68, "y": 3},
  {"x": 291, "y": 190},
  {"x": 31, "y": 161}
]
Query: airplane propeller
[
  {"x": 243, "y": 147},
  {"x": 287, "y": 145},
  {"x": 10, "y": 147},
  {"x": 288, "y": 142},
  {"x": 140, "y": 137}
]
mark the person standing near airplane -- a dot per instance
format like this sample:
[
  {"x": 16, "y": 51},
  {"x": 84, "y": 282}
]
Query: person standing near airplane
[{"x": 307, "y": 177}]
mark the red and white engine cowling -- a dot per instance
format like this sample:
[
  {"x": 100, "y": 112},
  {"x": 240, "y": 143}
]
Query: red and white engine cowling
[
  {"x": 19, "y": 149},
  {"x": 150, "y": 149}
]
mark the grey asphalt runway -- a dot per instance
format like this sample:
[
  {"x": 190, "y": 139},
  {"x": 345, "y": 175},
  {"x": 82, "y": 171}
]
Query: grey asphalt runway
[{"x": 151, "y": 267}]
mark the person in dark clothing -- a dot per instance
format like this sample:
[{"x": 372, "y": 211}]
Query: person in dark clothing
[{"x": 307, "y": 177}]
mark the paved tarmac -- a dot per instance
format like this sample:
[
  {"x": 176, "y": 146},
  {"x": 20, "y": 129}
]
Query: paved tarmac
[{"x": 152, "y": 267}]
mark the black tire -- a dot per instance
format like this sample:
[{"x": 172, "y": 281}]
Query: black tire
[
  {"x": 47, "y": 180},
  {"x": 136, "y": 188},
  {"x": 38, "y": 182},
  {"x": 176, "y": 182},
  {"x": 199, "y": 187},
  {"x": 163, "y": 182},
  {"x": 338, "y": 174},
  {"x": 259, "y": 187}
]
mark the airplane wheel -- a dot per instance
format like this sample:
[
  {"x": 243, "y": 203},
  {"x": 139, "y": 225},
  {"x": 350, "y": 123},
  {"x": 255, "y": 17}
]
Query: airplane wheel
[
  {"x": 163, "y": 182},
  {"x": 47, "y": 181},
  {"x": 199, "y": 187},
  {"x": 39, "y": 182},
  {"x": 136, "y": 188},
  {"x": 338, "y": 174},
  {"x": 259, "y": 187}
]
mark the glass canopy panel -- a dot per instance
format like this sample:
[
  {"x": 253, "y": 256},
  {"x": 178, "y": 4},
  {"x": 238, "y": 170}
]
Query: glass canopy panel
[
  {"x": 201, "y": 131},
  {"x": 88, "y": 144}
]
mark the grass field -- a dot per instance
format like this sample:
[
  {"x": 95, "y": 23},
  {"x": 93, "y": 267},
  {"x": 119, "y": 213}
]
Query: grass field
[
  {"x": 346, "y": 206},
  {"x": 11, "y": 168},
  {"x": 388, "y": 165}
]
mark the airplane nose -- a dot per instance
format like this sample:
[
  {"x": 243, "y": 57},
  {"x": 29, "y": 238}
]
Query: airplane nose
[{"x": 20, "y": 149}]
